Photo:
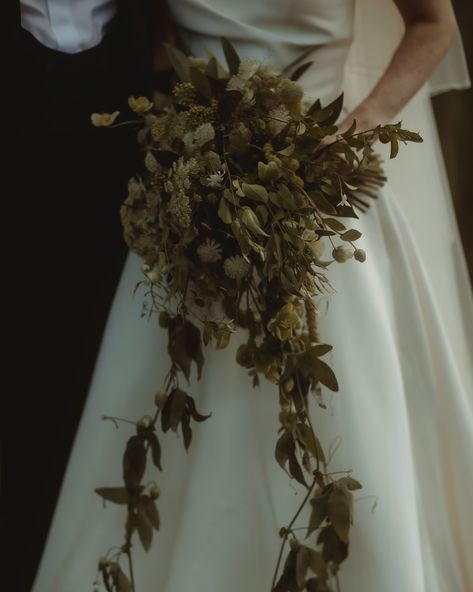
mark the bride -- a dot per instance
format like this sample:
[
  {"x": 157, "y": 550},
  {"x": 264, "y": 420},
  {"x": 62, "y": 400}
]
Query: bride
[{"x": 400, "y": 324}]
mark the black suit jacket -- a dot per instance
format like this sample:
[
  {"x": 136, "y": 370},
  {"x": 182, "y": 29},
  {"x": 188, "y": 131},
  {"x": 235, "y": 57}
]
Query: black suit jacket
[{"x": 145, "y": 25}]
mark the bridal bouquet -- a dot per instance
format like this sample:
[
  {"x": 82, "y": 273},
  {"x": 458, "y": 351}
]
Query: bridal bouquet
[{"x": 236, "y": 215}]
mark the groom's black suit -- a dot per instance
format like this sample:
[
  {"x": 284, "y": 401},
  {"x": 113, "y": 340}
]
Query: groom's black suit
[{"x": 69, "y": 252}]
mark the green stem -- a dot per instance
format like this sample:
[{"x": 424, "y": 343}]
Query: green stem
[{"x": 288, "y": 529}]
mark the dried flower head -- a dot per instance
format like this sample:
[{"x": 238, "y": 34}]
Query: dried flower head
[
  {"x": 209, "y": 251},
  {"x": 236, "y": 267}
]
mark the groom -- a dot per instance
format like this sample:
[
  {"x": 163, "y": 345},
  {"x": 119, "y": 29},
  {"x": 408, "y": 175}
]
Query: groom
[{"x": 76, "y": 58}]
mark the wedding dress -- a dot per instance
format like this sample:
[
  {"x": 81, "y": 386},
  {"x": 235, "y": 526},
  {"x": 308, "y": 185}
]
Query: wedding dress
[{"x": 400, "y": 323}]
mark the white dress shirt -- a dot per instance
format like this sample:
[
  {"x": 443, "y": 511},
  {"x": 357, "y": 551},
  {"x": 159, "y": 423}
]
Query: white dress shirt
[{"x": 67, "y": 25}]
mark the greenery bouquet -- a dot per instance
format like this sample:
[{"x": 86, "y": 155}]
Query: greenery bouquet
[{"x": 236, "y": 214}]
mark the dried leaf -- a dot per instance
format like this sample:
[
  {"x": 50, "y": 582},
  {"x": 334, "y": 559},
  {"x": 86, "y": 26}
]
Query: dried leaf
[
  {"x": 179, "y": 61},
  {"x": 150, "y": 510},
  {"x": 233, "y": 60},
  {"x": 319, "y": 511},
  {"x": 255, "y": 191},
  {"x": 351, "y": 235},
  {"x": 155, "y": 450},
  {"x": 224, "y": 212},
  {"x": 300, "y": 70},
  {"x": 117, "y": 495},
  {"x": 178, "y": 405},
  {"x": 333, "y": 548},
  {"x": 121, "y": 580},
  {"x": 134, "y": 461},
  {"x": 326, "y": 375},
  {"x": 317, "y": 564},
  {"x": 311, "y": 441},
  {"x": 186, "y": 430},
  {"x": 196, "y": 416},
  {"x": 336, "y": 108},
  {"x": 302, "y": 565},
  {"x": 200, "y": 82},
  {"x": 339, "y": 510},
  {"x": 145, "y": 530}
]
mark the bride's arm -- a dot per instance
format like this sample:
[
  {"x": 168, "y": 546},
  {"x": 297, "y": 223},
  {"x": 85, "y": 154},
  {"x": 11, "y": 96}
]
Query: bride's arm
[{"x": 429, "y": 29}]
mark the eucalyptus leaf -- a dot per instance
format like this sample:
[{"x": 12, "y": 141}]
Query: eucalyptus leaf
[
  {"x": 117, "y": 495},
  {"x": 144, "y": 528},
  {"x": 196, "y": 416},
  {"x": 224, "y": 211},
  {"x": 302, "y": 564},
  {"x": 179, "y": 61},
  {"x": 255, "y": 191},
  {"x": 317, "y": 564},
  {"x": 134, "y": 461},
  {"x": 335, "y": 108},
  {"x": 178, "y": 404},
  {"x": 200, "y": 82},
  {"x": 299, "y": 71},
  {"x": 351, "y": 235},
  {"x": 319, "y": 512},
  {"x": 339, "y": 510},
  {"x": 233, "y": 59},
  {"x": 326, "y": 375},
  {"x": 311, "y": 441},
  {"x": 186, "y": 430},
  {"x": 150, "y": 510},
  {"x": 122, "y": 582},
  {"x": 155, "y": 450}
]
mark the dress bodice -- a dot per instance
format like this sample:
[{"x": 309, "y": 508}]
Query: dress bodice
[{"x": 282, "y": 32}]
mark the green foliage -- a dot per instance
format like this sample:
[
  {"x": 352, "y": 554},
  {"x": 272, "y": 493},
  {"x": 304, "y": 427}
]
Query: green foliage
[{"x": 234, "y": 209}]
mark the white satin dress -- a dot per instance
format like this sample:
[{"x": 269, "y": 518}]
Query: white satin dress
[{"x": 402, "y": 421}]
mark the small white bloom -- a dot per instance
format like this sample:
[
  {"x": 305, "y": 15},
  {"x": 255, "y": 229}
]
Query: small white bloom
[
  {"x": 236, "y": 267},
  {"x": 248, "y": 68},
  {"x": 344, "y": 201},
  {"x": 153, "y": 274},
  {"x": 151, "y": 163},
  {"x": 135, "y": 188},
  {"x": 216, "y": 180},
  {"x": 209, "y": 251},
  {"x": 103, "y": 119},
  {"x": 204, "y": 133}
]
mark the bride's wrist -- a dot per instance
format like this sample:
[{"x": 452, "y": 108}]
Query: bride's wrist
[{"x": 368, "y": 115}]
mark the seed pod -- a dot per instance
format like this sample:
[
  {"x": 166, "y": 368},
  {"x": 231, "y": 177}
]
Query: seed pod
[
  {"x": 360, "y": 255},
  {"x": 341, "y": 254}
]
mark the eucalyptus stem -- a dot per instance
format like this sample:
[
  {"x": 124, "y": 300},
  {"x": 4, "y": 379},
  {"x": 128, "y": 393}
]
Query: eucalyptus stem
[
  {"x": 288, "y": 530},
  {"x": 130, "y": 567}
]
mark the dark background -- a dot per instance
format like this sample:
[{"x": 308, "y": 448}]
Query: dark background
[{"x": 453, "y": 111}]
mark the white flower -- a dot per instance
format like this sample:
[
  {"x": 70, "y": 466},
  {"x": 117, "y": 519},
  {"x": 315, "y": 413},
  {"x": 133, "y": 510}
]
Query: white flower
[
  {"x": 217, "y": 179},
  {"x": 241, "y": 85},
  {"x": 344, "y": 201},
  {"x": 248, "y": 68},
  {"x": 103, "y": 119},
  {"x": 236, "y": 267},
  {"x": 151, "y": 163},
  {"x": 204, "y": 133},
  {"x": 135, "y": 188},
  {"x": 209, "y": 251},
  {"x": 139, "y": 104},
  {"x": 152, "y": 275}
]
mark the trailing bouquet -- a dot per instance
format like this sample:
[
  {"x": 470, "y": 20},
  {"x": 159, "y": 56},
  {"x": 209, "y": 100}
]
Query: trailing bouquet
[{"x": 236, "y": 215}]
